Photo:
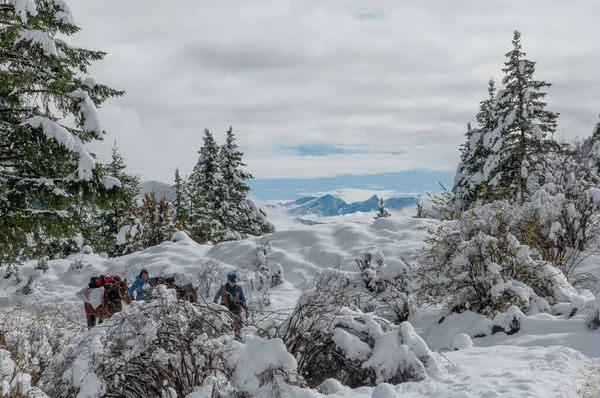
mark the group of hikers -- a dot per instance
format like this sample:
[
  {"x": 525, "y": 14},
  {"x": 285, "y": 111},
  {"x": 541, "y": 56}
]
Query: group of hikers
[{"x": 230, "y": 294}]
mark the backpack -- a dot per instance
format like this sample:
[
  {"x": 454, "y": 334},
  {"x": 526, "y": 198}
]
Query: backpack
[
  {"x": 234, "y": 304},
  {"x": 100, "y": 281}
]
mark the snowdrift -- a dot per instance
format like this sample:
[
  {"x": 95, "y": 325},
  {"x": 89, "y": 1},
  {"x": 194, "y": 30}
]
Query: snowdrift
[{"x": 276, "y": 271}]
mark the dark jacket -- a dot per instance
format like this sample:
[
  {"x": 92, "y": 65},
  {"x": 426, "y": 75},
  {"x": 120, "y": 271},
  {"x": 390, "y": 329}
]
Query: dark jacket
[{"x": 232, "y": 297}]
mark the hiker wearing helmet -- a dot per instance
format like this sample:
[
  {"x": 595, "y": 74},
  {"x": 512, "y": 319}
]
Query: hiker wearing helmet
[
  {"x": 140, "y": 289},
  {"x": 232, "y": 297}
]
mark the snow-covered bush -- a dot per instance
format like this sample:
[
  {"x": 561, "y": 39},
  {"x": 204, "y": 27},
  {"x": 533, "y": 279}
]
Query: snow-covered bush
[
  {"x": 32, "y": 340},
  {"x": 331, "y": 340},
  {"x": 562, "y": 217},
  {"x": 386, "y": 294},
  {"x": 146, "y": 350},
  {"x": 262, "y": 368},
  {"x": 593, "y": 319},
  {"x": 477, "y": 263},
  {"x": 42, "y": 264},
  {"x": 267, "y": 273},
  {"x": 167, "y": 347},
  {"x": 15, "y": 383},
  {"x": 374, "y": 281}
]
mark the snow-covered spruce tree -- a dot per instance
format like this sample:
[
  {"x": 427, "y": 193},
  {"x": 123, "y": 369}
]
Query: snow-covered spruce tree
[
  {"x": 181, "y": 200},
  {"x": 117, "y": 206},
  {"x": 151, "y": 224},
  {"x": 470, "y": 173},
  {"x": 240, "y": 217},
  {"x": 208, "y": 205},
  {"x": 382, "y": 211},
  {"x": 234, "y": 184},
  {"x": 47, "y": 175},
  {"x": 524, "y": 133}
]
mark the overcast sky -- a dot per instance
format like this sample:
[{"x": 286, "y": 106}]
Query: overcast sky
[{"x": 325, "y": 88}]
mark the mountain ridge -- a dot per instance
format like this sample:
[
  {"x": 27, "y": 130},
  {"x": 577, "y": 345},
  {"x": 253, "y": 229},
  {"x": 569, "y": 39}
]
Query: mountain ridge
[{"x": 329, "y": 205}]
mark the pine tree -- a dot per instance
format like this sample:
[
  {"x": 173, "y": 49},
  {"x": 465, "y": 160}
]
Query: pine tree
[
  {"x": 474, "y": 153},
  {"x": 241, "y": 216},
  {"x": 48, "y": 178},
  {"x": 382, "y": 211},
  {"x": 181, "y": 200},
  {"x": 234, "y": 183},
  {"x": 207, "y": 194},
  {"x": 119, "y": 201},
  {"x": 525, "y": 128}
]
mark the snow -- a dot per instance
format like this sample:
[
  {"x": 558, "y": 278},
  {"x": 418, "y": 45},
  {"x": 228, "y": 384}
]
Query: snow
[
  {"x": 462, "y": 341},
  {"x": 23, "y": 8},
  {"x": 256, "y": 356},
  {"x": 537, "y": 132},
  {"x": 41, "y": 38},
  {"x": 90, "y": 113},
  {"x": 64, "y": 15},
  {"x": 351, "y": 345},
  {"x": 594, "y": 194},
  {"x": 111, "y": 182},
  {"x": 55, "y": 131},
  {"x": 550, "y": 355}
]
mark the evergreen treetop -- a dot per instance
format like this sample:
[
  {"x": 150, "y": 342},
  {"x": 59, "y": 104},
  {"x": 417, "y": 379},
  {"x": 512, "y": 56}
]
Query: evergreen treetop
[{"x": 525, "y": 127}]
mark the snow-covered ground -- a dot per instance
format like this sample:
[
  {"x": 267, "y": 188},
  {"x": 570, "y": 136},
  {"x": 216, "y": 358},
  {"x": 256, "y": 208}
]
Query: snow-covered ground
[{"x": 551, "y": 356}]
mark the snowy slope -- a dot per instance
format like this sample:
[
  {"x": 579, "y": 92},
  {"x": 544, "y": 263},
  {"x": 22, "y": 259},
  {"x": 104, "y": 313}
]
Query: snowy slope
[{"x": 548, "y": 357}]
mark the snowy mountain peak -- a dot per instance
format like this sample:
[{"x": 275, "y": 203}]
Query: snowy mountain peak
[{"x": 329, "y": 205}]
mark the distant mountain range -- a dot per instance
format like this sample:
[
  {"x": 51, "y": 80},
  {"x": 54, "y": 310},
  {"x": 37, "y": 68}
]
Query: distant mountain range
[
  {"x": 324, "y": 206},
  {"x": 329, "y": 205}
]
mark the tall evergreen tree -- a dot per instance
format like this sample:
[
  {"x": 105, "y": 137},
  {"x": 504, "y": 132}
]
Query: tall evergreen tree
[
  {"x": 242, "y": 216},
  {"x": 181, "y": 201},
  {"x": 47, "y": 175},
  {"x": 474, "y": 153},
  {"x": 206, "y": 215},
  {"x": 119, "y": 202},
  {"x": 525, "y": 128}
]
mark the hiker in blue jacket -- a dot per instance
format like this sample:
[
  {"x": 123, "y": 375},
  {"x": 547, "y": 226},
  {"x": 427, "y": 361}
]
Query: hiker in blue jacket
[
  {"x": 140, "y": 289},
  {"x": 232, "y": 297}
]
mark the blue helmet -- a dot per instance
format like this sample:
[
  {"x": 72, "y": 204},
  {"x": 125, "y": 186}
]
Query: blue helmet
[{"x": 232, "y": 277}]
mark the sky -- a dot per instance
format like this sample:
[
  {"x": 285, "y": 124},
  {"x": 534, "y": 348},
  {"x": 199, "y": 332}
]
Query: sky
[{"x": 353, "y": 97}]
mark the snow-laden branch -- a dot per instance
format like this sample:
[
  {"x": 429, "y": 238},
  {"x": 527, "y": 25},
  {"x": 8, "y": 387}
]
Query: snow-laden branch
[
  {"x": 73, "y": 143},
  {"x": 90, "y": 114},
  {"x": 43, "y": 39},
  {"x": 24, "y": 7}
]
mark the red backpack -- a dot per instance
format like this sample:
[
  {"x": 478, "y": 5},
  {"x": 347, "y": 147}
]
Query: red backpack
[{"x": 100, "y": 280}]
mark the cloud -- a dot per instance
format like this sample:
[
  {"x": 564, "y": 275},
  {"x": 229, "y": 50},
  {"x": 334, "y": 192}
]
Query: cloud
[{"x": 398, "y": 80}]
